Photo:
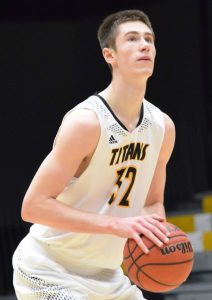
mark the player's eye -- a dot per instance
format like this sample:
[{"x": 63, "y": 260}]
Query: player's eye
[
  {"x": 132, "y": 38},
  {"x": 149, "y": 39}
]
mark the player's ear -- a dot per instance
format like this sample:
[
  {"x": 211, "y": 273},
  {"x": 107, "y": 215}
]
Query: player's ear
[{"x": 108, "y": 54}]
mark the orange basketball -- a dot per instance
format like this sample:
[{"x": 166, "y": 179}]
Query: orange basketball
[{"x": 162, "y": 269}]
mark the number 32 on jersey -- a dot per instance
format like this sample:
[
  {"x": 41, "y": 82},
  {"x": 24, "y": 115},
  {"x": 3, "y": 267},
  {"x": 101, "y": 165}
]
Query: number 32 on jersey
[{"x": 124, "y": 174}]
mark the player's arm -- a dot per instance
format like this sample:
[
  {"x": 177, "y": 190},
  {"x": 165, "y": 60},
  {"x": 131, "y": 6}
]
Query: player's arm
[
  {"x": 155, "y": 199},
  {"x": 77, "y": 139}
]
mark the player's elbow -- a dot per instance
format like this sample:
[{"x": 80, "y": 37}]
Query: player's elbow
[{"x": 27, "y": 211}]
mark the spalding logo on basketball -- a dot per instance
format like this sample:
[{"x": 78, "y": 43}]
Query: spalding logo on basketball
[{"x": 162, "y": 269}]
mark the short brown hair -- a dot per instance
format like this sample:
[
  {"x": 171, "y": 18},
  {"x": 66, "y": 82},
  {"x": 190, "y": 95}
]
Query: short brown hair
[{"x": 108, "y": 28}]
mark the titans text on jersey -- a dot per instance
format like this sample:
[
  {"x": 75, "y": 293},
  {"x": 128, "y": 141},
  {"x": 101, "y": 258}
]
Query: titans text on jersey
[{"x": 136, "y": 151}]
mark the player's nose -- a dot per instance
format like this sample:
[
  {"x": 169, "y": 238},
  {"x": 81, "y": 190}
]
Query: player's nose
[{"x": 144, "y": 46}]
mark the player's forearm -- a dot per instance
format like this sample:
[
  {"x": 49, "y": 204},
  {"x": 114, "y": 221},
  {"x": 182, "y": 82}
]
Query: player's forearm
[
  {"x": 53, "y": 213},
  {"x": 156, "y": 208}
]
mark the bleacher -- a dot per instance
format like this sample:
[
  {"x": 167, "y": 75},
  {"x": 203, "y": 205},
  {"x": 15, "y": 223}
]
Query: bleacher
[{"x": 197, "y": 223}]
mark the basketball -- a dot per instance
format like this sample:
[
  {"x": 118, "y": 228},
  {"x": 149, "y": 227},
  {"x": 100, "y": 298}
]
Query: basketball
[{"x": 162, "y": 269}]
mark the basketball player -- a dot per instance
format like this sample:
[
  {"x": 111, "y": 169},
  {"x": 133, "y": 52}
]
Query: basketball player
[{"x": 103, "y": 181}]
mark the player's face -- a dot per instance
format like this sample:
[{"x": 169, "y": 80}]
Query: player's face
[{"x": 135, "y": 49}]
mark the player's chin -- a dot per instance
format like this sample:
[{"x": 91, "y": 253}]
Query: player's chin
[{"x": 147, "y": 72}]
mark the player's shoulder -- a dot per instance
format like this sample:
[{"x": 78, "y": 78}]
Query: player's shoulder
[
  {"x": 169, "y": 129},
  {"x": 169, "y": 137},
  {"x": 80, "y": 123},
  {"x": 82, "y": 116},
  {"x": 159, "y": 116},
  {"x": 169, "y": 123}
]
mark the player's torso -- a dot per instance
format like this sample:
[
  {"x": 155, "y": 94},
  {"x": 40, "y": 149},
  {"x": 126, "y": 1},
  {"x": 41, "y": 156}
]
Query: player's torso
[
  {"x": 115, "y": 182},
  {"x": 118, "y": 176}
]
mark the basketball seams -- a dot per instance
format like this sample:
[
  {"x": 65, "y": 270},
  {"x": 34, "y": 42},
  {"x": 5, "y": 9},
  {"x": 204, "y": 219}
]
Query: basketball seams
[
  {"x": 134, "y": 257},
  {"x": 136, "y": 246},
  {"x": 140, "y": 269},
  {"x": 137, "y": 258},
  {"x": 131, "y": 252},
  {"x": 179, "y": 235},
  {"x": 166, "y": 264},
  {"x": 155, "y": 280}
]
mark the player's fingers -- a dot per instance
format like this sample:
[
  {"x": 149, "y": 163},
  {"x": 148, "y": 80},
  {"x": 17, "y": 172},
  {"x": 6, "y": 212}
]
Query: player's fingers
[
  {"x": 152, "y": 219},
  {"x": 154, "y": 239},
  {"x": 139, "y": 241},
  {"x": 159, "y": 231},
  {"x": 163, "y": 228},
  {"x": 160, "y": 225},
  {"x": 160, "y": 234},
  {"x": 157, "y": 217}
]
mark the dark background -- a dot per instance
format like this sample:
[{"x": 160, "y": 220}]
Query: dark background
[{"x": 50, "y": 60}]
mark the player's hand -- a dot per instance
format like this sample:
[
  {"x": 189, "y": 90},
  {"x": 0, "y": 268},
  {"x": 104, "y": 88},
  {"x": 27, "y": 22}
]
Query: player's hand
[{"x": 149, "y": 225}]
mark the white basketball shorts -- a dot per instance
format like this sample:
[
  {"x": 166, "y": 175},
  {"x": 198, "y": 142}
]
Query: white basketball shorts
[{"x": 37, "y": 277}]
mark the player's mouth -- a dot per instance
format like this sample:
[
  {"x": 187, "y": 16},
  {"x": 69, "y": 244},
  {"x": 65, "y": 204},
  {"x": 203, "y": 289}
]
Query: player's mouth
[{"x": 144, "y": 58}]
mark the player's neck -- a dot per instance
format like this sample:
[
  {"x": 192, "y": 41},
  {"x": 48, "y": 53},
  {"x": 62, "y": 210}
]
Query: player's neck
[{"x": 125, "y": 100}]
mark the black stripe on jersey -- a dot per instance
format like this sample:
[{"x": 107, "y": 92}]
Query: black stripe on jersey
[{"x": 115, "y": 117}]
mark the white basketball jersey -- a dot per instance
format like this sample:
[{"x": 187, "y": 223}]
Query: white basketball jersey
[{"x": 116, "y": 183}]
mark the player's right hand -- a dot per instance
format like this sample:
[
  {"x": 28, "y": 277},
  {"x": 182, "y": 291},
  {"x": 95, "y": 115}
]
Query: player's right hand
[{"x": 150, "y": 226}]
